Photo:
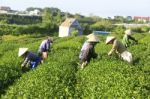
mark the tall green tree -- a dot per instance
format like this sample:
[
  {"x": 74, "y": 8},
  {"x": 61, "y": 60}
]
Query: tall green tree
[
  {"x": 47, "y": 19},
  {"x": 59, "y": 18},
  {"x": 103, "y": 25},
  {"x": 47, "y": 16}
]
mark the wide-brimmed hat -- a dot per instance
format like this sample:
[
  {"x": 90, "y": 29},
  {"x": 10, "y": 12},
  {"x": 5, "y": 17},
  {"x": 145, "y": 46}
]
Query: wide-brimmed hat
[
  {"x": 109, "y": 38},
  {"x": 22, "y": 51},
  {"x": 93, "y": 38},
  {"x": 50, "y": 38},
  {"x": 90, "y": 35},
  {"x": 128, "y": 32}
]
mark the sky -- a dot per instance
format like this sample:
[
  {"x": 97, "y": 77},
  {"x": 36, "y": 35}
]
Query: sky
[{"x": 103, "y": 8}]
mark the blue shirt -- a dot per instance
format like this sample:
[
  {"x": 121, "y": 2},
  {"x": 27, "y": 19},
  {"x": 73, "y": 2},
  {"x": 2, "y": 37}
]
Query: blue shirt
[{"x": 30, "y": 58}]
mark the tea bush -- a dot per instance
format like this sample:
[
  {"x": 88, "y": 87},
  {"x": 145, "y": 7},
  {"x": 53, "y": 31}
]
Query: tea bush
[{"x": 61, "y": 77}]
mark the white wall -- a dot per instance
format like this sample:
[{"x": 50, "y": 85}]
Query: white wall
[
  {"x": 63, "y": 31},
  {"x": 2, "y": 11},
  {"x": 35, "y": 12}
]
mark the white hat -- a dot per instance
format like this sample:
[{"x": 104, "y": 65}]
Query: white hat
[
  {"x": 109, "y": 38},
  {"x": 90, "y": 35},
  {"x": 93, "y": 39},
  {"x": 128, "y": 32},
  {"x": 22, "y": 51}
]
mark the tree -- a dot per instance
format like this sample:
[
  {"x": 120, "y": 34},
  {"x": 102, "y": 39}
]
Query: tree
[
  {"x": 96, "y": 18},
  {"x": 47, "y": 19},
  {"x": 119, "y": 19},
  {"x": 103, "y": 25},
  {"x": 58, "y": 18},
  {"x": 47, "y": 16}
]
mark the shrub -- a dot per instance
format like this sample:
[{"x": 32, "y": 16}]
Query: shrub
[{"x": 74, "y": 33}]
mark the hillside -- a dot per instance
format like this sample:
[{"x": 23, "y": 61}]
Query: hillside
[{"x": 61, "y": 77}]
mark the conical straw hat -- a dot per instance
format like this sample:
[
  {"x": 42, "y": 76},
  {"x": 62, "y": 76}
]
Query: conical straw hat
[
  {"x": 90, "y": 35},
  {"x": 128, "y": 32},
  {"x": 22, "y": 51},
  {"x": 93, "y": 39},
  {"x": 109, "y": 38}
]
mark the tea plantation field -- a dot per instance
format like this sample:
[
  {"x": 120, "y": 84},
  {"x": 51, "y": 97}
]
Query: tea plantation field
[{"x": 61, "y": 77}]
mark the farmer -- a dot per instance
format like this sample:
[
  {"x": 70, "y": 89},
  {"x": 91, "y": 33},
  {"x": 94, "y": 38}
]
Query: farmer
[
  {"x": 127, "y": 37},
  {"x": 45, "y": 48},
  {"x": 88, "y": 51},
  {"x": 30, "y": 60},
  {"x": 119, "y": 49}
]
